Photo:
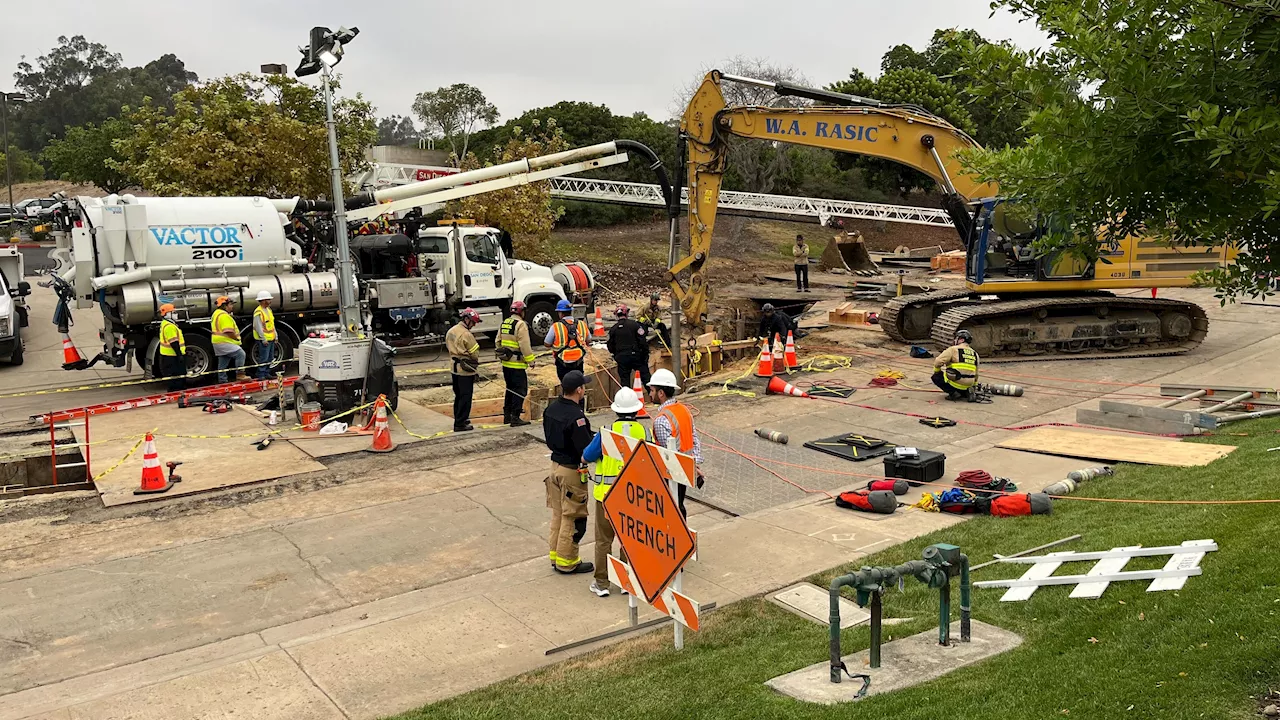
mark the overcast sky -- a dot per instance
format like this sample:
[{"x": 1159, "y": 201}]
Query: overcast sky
[{"x": 628, "y": 56}]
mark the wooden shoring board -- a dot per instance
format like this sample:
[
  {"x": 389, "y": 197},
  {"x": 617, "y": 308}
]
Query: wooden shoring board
[{"x": 1118, "y": 448}]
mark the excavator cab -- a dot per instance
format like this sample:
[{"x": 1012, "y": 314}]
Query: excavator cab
[{"x": 1002, "y": 247}]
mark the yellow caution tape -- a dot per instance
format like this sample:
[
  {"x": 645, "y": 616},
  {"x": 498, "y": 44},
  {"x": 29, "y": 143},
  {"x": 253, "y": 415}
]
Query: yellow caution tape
[{"x": 122, "y": 460}]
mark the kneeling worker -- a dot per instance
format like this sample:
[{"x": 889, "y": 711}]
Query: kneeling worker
[
  {"x": 955, "y": 370},
  {"x": 626, "y": 404},
  {"x": 568, "y": 433}
]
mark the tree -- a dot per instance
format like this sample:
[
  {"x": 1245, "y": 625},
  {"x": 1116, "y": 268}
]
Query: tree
[
  {"x": 88, "y": 155},
  {"x": 1176, "y": 136},
  {"x": 397, "y": 130},
  {"x": 24, "y": 168},
  {"x": 243, "y": 135},
  {"x": 903, "y": 57},
  {"x": 454, "y": 112},
  {"x": 525, "y": 211}
]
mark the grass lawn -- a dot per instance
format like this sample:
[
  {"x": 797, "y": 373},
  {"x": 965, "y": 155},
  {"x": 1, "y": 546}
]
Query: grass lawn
[{"x": 1201, "y": 652}]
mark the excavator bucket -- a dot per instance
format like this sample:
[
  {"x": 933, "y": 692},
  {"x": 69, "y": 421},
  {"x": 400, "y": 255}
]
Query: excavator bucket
[{"x": 846, "y": 251}]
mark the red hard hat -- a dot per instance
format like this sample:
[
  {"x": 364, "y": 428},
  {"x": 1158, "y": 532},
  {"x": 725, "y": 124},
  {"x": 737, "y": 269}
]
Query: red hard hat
[
  {"x": 622, "y": 311},
  {"x": 470, "y": 314},
  {"x": 517, "y": 306}
]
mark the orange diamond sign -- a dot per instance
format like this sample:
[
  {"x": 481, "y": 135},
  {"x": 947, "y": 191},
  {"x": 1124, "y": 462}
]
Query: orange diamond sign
[{"x": 648, "y": 522}]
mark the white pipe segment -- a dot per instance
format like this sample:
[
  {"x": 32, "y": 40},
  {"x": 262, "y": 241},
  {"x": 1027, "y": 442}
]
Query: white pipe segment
[{"x": 523, "y": 165}]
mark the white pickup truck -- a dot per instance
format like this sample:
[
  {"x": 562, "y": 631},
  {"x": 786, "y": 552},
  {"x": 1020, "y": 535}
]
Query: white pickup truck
[{"x": 13, "y": 305}]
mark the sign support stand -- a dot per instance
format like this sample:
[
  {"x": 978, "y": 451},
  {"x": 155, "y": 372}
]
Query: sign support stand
[{"x": 678, "y": 584}]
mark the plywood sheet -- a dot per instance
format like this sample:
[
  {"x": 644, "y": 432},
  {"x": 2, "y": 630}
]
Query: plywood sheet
[
  {"x": 420, "y": 420},
  {"x": 1119, "y": 448}
]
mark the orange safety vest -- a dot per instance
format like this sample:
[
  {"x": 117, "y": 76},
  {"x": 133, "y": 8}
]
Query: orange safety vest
[
  {"x": 569, "y": 349},
  {"x": 681, "y": 425}
]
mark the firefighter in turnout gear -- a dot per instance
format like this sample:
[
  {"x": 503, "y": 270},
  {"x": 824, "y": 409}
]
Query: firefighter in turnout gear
[
  {"x": 673, "y": 425},
  {"x": 173, "y": 349},
  {"x": 568, "y": 433},
  {"x": 629, "y": 344},
  {"x": 516, "y": 355},
  {"x": 955, "y": 370},
  {"x": 567, "y": 340},
  {"x": 465, "y": 353},
  {"x": 651, "y": 319},
  {"x": 626, "y": 404}
]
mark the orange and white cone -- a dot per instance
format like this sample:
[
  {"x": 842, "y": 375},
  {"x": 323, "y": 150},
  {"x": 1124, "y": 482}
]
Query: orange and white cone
[
  {"x": 778, "y": 386},
  {"x": 638, "y": 388},
  {"x": 778, "y": 364},
  {"x": 765, "y": 366},
  {"x": 599, "y": 331},
  {"x": 381, "y": 430},
  {"x": 153, "y": 480},
  {"x": 71, "y": 359},
  {"x": 789, "y": 356}
]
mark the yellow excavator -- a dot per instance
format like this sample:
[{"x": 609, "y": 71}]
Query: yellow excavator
[{"x": 1017, "y": 303}]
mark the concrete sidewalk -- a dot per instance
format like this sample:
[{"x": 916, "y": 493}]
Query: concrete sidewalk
[{"x": 385, "y": 586}]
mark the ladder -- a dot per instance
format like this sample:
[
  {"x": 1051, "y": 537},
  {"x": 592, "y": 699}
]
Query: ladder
[
  {"x": 55, "y": 446},
  {"x": 1217, "y": 406},
  {"x": 1183, "y": 563},
  {"x": 617, "y": 192}
]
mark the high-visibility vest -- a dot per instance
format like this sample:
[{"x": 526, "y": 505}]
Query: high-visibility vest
[
  {"x": 608, "y": 469},
  {"x": 963, "y": 373},
  {"x": 569, "y": 349},
  {"x": 509, "y": 340},
  {"x": 168, "y": 333},
  {"x": 268, "y": 324},
  {"x": 222, "y": 322},
  {"x": 681, "y": 425}
]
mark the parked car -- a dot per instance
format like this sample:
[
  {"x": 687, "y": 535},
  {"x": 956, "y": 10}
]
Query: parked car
[
  {"x": 28, "y": 207},
  {"x": 7, "y": 213}
]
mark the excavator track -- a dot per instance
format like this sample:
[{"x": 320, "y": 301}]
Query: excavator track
[
  {"x": 909, "y": 318},
  {"x": 1076, "y": 328}
]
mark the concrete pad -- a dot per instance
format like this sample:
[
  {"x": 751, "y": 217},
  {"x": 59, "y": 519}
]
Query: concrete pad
[
  {"x": 904, "y": 663},
  {"x": 369, "y": 492},
  {"x": 208, "y": 461},
  {"x": 520, "y": 501},
  {"x": 87, "y": 619},
  {"x": 752, "y": 557},
  {"x": 421, "y": 658},
  {"x": 262, "y": 688},
  {"x": 1031, "y": 471},
  {"x": 422, "y": 422},
  {"x": 814, "y": 603},
  {"x": 410, "y": 544}
]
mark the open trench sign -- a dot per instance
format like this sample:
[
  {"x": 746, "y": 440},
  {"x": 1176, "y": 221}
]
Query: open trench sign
[{"x": 646, "y": 518}]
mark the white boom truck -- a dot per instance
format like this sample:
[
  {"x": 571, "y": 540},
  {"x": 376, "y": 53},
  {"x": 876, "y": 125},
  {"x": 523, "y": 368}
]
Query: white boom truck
[
  {"x": 13, "y": 305},
  {"x": 128, "y": 255}
]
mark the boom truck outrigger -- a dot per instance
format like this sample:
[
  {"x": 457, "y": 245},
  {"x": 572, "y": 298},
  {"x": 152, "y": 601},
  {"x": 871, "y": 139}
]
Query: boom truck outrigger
[
  {"x": 1045, "y": 306},
  {"x": 129, "y": 254}
]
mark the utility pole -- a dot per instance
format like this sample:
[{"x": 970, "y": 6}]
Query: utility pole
[{"x": 5, "y": 99}]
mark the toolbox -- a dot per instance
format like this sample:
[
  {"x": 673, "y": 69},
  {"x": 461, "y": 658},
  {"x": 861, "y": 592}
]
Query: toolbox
[{"x": 928, "y": 467}]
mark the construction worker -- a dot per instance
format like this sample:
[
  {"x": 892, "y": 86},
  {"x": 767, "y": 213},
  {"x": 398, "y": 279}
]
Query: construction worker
[
  {"x": 629, "y": 344},
  {"x": 626, "y": 403},
  {"x": 567, "y": 339},
  {"x": 226, "y": 339},
  {"x": 651, "y": 318},
  {"x": 173, "y": 349},
  {"x": 776, "y": 322},
  {"x": 264, "y": 332},
  {"x": 568, "y": 433},
  {"x": 673, "y": 424},
  {"x": 801, "y": 254},
  {"x": 465, "y": 353},
  {"x": 955, "y": 370},
  {"x": 516, "y": 355}
]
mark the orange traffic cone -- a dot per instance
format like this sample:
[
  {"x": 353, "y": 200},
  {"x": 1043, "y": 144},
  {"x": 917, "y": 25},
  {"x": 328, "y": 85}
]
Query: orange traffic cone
[
  {"x": 71, "y": 359},
  {"x": 599, "y": 331},
  {"x": 153, "y": 480},
  {"x": 638, "y": 388},
  {"x": 790, "y": 360},
  {"x": 778, "y": 386},
  {"x": 778, "y": 364},
  {"x": 765, "y": 367},
  {"x": 381, "y": 430}
]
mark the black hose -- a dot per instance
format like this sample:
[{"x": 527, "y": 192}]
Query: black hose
[{"x": 668, "y": 193}]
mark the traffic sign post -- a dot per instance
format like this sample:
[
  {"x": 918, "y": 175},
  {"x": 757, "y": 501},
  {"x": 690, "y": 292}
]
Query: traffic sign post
[{"x": 642, "y": 508}]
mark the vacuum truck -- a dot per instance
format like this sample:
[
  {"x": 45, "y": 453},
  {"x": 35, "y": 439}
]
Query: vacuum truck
[{"x": 127, "y": 255}]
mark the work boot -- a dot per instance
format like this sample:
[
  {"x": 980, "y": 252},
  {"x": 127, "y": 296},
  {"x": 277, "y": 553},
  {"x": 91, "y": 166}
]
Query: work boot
[
  {"x": 582, "y": 567},
  {"x": 464, "y": 428},
  {"x": 519, "y": 422},
  {"x": 600, "y": 590}
]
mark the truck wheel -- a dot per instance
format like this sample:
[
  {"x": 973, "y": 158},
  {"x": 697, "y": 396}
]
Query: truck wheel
[
  {"x": 540, "y": 315},
  {"x": 16, "y": 357},
  {"x": 200, "y": 359},
  {"x": 393, "y": 398},
  {"x": 281, "y": 354},
  {"x": 300, "y": 397}
]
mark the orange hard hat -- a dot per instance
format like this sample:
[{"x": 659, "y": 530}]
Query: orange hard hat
[
  {"x": 167, "y": 308},
  {"x": 222, "y": 300}
]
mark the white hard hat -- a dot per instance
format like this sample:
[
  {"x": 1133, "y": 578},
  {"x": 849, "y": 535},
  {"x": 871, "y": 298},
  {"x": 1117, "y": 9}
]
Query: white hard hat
[
  {"x": 664, "y": 378},
  {"x": 264, "y": 295},
  {"x": 625, "y": 402}
]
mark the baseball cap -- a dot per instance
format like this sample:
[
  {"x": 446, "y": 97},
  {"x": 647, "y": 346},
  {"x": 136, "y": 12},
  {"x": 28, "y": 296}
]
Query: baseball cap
[{"x": 573, "y": 380}]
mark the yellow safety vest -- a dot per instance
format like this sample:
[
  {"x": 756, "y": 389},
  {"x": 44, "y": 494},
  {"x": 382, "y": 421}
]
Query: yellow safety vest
[
  {"x": 963, "y": 373},
  {"x": 509, "y": 341},
  {"x": 268, "y": 324},
  {"x": 222, "y": 322},
  {"x": 168, "y": 333},
  {"x": 608, "y": 469}
]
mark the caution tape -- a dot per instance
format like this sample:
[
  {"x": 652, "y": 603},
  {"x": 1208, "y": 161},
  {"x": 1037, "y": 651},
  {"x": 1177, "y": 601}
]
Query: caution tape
[
  {"x": 122, "y": 460},
  {"x": 124, "y": 383}
]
